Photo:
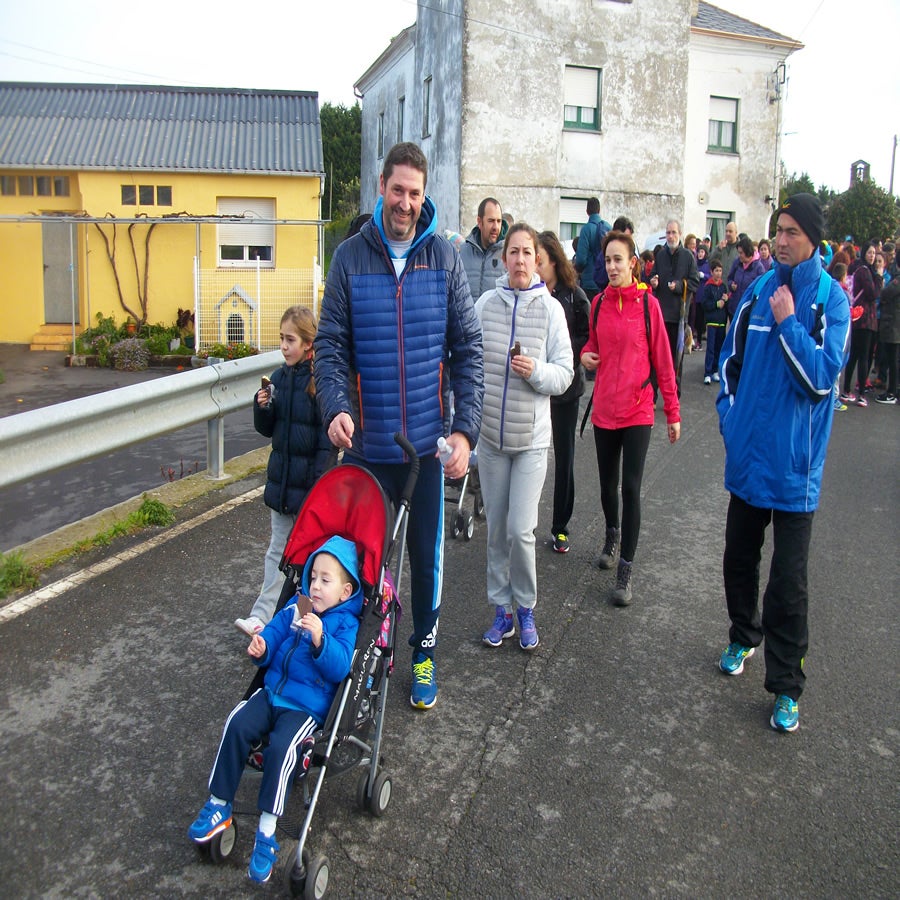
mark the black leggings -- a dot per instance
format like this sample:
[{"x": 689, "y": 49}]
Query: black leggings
[
  {"x": 630, "y": 446},
  {"x": 860, "y": 344}
]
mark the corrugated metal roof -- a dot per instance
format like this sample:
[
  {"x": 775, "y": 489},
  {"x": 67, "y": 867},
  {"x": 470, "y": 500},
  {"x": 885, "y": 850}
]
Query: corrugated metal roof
[
  {"x": 176, "y": 129},
  {"x": 715, "y": 19}
]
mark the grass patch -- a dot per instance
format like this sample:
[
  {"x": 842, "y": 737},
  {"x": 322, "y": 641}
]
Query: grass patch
[{"x": 15, "y": 573}]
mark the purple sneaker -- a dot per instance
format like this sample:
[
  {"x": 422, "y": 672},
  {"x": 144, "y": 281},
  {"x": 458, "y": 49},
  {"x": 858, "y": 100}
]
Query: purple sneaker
[
  {"x": 528, "y": 636},
  {"x": 502, "y": 628}
]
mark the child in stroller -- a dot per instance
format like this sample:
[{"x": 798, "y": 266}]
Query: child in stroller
[
  {"x": 347, "y": 502},
  {"x": 307, "y": 649}
]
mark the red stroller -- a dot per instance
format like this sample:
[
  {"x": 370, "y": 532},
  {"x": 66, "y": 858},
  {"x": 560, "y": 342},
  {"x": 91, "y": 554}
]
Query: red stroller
[{"x": 347, "y": 501}]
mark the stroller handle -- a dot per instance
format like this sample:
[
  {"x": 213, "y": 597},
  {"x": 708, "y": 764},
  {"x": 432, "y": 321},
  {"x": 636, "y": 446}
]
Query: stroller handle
[{"x": 413, "y": 476}]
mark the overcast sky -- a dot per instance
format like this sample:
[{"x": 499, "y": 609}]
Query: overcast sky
[{"x": 842, "y": 101}]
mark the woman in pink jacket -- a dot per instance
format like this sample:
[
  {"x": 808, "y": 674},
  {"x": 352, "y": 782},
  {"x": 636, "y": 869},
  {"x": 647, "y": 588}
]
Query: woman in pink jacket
[{"x": 627, "y": 335}]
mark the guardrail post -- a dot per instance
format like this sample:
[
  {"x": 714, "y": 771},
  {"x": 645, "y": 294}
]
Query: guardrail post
[{"x": 215, "y": 440}]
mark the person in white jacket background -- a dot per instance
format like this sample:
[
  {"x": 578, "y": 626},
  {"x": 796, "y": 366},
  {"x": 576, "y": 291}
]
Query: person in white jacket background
[{"x": 527, "y": 359}]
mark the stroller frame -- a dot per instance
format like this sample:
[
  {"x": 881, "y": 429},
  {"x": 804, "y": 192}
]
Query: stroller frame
[{"x": 346, "y": 740}]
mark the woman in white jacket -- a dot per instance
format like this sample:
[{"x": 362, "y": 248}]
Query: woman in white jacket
[{"x": 527, "y": 359}]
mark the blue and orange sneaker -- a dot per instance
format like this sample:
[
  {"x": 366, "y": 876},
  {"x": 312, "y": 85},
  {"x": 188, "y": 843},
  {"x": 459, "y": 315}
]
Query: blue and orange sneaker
[
  {"x": 262, "y": 860},
  {"x": 211, "y": 820}
]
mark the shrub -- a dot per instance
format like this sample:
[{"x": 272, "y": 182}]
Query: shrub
[
  {"x": 130, "y": 355},
  {"x": 229, "y": 351},
  {"x": 15, "y": 573},
  {"x": 154, "y": 512}
]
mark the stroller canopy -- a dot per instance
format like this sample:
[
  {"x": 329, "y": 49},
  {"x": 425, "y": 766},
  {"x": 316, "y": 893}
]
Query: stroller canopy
[{"x": 347, "y": 500}]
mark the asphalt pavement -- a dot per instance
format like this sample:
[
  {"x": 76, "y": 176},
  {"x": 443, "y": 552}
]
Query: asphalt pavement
[{"x": 614, "y": 761}]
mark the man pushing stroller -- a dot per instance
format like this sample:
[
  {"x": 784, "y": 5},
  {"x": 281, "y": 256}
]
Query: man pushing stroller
[{"x": 307, "y": 653}]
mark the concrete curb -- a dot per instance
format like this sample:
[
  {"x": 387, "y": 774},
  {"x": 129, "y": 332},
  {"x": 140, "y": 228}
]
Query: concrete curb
[{"x": 174, "y": 494}]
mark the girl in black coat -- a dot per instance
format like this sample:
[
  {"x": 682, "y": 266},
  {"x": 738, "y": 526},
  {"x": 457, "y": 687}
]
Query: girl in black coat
[{"x": 286, "y": 411}]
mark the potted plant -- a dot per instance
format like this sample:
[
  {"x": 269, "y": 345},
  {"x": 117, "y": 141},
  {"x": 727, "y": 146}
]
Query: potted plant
[{"x": 185, "y": 323}]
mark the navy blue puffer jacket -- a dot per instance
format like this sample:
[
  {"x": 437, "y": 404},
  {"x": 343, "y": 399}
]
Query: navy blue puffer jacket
[
  {"x": 389, "y": 349},
  {"x": 300, "y": 445}
]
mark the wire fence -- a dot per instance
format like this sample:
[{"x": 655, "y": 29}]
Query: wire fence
[{"x": 234, "y": 306}]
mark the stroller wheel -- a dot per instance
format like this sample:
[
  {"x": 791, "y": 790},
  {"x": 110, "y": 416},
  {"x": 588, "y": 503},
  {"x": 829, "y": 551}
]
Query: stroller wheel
[
  {"x": 381, "y": 795},
  {"x": 470, "y": 528},
  {"x": 479, "y": 505},
  {"x": 317, "y": 874},
  {"x": 222, "y": 844},
  {"x": 459, "y": 525},
  {"x": 362, "y": 786},
  {"x": 295, "y": 875}
]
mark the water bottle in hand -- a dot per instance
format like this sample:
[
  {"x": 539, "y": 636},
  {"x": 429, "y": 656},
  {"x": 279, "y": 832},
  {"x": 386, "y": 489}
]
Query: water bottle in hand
[{"x": 445, "y": 450}]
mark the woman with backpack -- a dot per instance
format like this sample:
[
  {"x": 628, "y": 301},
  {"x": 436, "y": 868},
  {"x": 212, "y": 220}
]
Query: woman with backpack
[{"x": 627, "y": 339}]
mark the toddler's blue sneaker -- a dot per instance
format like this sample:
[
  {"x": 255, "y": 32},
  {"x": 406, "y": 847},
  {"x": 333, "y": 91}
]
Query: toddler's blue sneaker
[
  {"x": 424, "y": 682},
  {"x": 733, "y": 656},
  {"x": 209, "y": 822},
  {"x": 785, "y": 715},
  {"x": 528, "y": 636},
  {"x": 502, "y": 628},
  {"x": 262, "y": 860}
]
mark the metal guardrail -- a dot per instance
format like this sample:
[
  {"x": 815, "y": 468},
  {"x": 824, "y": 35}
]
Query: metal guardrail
[{"x": 39, "y": 441}]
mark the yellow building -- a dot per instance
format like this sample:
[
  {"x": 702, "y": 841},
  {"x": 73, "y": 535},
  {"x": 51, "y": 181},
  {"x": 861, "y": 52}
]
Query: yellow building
[{"x": 135, "y": 202}]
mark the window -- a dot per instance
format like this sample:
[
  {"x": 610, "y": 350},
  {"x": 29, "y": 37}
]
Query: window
[
  {"x": 26, "y": 186},
  {"x": 61, "y": 186},
  {"x": 242, "y": 243},
  {"x": 426, "y": 107},
  {"x": 723, "y": 124},
  {"x": 401, "y": 109},
  {"x": 571, "y": 217},
  {"x": 8, "y": 185},
  {"x": 44, "y": 186},
  {"x": 581, "y": 98},
  {"x": 164, "y": 196},
  {"x": 31, "y": 185},
  {"x": 146, "y": 194},
  {"x": 129, "y": 195},
  {"x": 716, "y": 221},
  {"x": 380, "y": 144}
]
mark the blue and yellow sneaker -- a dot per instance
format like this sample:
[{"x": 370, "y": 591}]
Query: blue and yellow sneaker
[
  {"x": 211, "y": 820},
  {"x": 732, "y": 660},
  {"x": 785, "y": 715},
  {"x": 262, "y": 860},
  {"x": 424, "y": 682}
]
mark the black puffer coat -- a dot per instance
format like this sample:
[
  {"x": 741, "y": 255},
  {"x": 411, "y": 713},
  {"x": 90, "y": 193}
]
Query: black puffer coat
[{"x": 300, "y": 446}]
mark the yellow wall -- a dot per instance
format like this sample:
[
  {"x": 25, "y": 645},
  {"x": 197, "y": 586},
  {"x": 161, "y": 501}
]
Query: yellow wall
[{"x": 172, "y": 246}]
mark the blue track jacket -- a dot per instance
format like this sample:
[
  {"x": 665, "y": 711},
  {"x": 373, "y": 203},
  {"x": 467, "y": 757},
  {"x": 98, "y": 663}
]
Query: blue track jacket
[
  {"x": 299, "y": 676},
  {"x": 775, "y": 408}
]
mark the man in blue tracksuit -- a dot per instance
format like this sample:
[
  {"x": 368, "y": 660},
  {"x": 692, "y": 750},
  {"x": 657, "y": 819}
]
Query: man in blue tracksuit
[
  {"x": 397, "y": 332},
  {"x": 781, "y": 356}
]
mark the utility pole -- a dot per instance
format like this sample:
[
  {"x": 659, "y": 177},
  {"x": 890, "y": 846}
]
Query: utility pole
[{"x": 893, "y": 158}]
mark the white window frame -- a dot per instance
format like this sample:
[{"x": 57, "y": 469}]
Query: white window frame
[
  {"x": 401, "y": 111},
  {"x": 723, "y": 122},
  {"x": 582, "y": 88},
  {"x": 380, "y": 144},
  {"x": 245, "y": 234}
]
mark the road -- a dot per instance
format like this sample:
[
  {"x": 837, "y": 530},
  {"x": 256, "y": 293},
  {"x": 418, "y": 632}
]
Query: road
[{"x": 614, "y": 761}]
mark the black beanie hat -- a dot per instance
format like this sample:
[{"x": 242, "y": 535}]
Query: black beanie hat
[{"x": 805, "y": 210}]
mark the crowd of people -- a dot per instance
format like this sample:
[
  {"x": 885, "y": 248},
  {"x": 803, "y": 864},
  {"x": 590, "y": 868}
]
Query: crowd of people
[{"x": 517, "y": 332}]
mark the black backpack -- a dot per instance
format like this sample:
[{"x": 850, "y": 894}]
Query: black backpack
[{"x": 652, "y": 372}]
